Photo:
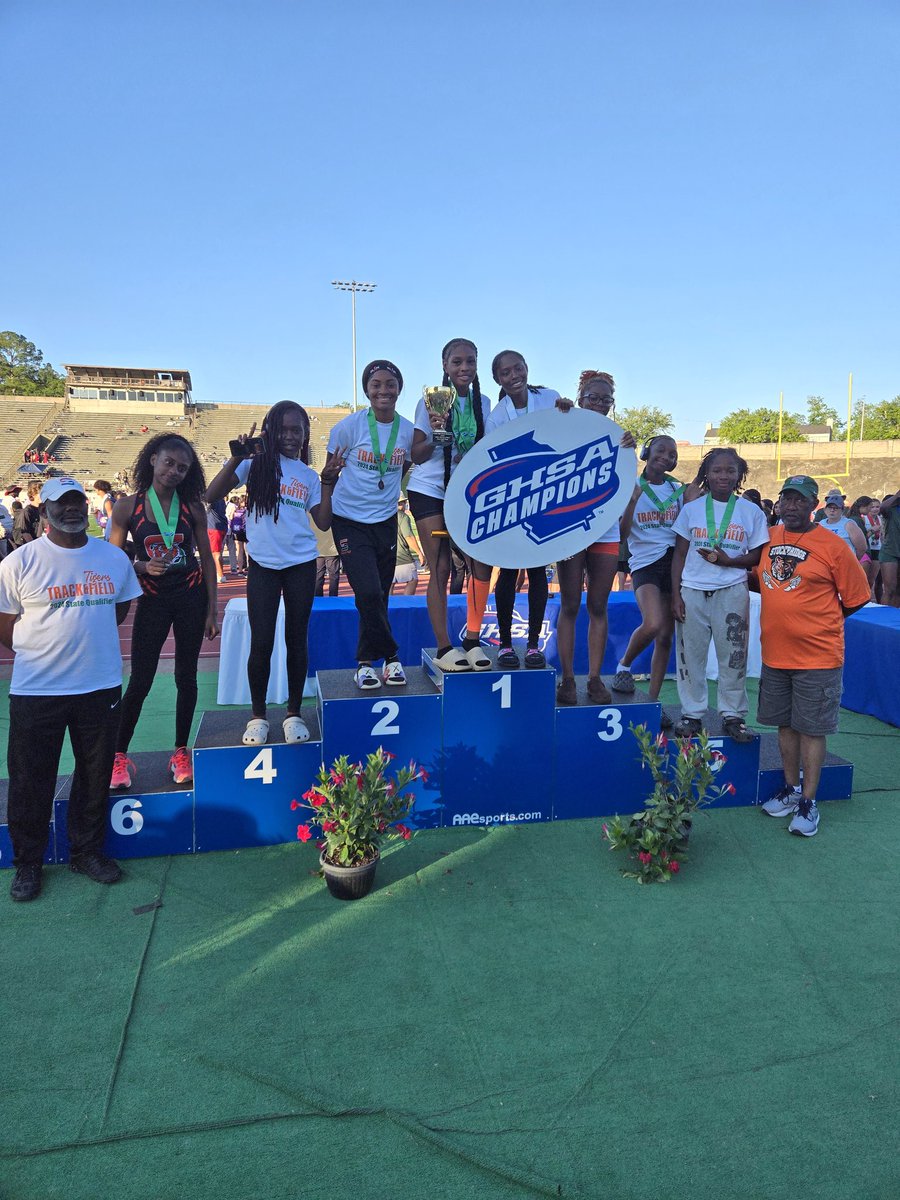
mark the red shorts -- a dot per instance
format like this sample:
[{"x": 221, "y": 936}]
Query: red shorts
[
  {"x": 604, "y": 548},
  {"x": 216, "y": 539}
]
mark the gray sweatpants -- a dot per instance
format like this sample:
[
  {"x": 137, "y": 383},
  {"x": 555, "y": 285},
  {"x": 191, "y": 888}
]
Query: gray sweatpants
[{"x": 723, "y": 616}]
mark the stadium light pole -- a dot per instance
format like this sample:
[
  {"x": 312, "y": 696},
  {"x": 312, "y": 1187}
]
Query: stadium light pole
[{"x": 353, "y": 286}]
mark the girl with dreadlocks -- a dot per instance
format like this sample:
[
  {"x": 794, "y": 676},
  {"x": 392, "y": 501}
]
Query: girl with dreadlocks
[
  {"x": 427, "y": 483},
  {"x": 518, "y": 398},
  {"x": 719, "y": 538},
  {"x": 167, "y": 523},
  {"x": 281, "y": 490},
  {"x": 596, "y": 566}
]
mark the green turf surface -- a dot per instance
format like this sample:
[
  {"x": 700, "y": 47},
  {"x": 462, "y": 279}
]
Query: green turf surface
[{"x": 505, "y": 1015}]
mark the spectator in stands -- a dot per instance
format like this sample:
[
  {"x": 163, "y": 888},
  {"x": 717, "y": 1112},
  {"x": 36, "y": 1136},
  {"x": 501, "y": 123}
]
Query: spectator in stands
[
  {"x": 328, "y": 562},
  {"x": 61, "y": 598},
  {"x": 838, "y": 522},
  {"x": 6, "y": 529},
  {"x": 27, "y": 525},
  {"x": 217, "y": 527},
  {"x": 166, "y": 520},
  {"x": 103, "y": 505},
  {"x": 408, "y": 550}
]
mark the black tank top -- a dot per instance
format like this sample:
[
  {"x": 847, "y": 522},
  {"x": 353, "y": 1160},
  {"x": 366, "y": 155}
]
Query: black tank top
[{"x": 149, "y": 545}]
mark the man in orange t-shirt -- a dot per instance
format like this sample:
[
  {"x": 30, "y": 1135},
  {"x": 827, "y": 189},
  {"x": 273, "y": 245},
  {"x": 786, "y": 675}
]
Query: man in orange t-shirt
[{"x": 809, "y": 581}]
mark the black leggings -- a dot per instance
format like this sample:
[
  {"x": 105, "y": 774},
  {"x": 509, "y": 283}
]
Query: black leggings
[
  {"x": 265, "y": 587},
  {"x": 505, "y": 595},
  {"x": 369, "y": 556},
  {"x": 184, "y": 612}
]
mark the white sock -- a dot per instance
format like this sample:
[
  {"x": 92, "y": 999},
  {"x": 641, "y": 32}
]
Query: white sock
[{"x": 621, "y": 667}]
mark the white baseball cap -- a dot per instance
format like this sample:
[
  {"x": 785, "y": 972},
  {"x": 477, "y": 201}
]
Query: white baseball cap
[{"x": 55, "y": 489}]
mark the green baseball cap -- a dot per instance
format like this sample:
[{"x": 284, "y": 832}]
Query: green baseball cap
[{"x": 804, "y": 484}]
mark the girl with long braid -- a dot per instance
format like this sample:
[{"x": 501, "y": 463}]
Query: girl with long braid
[
  {"x": 596, "y": 565},
  {"x": 518, "y": 398},
  {"x": 167, "y": 522},
  {"x": 281, "y": 490},
  {"x": 427, "y": 483}
]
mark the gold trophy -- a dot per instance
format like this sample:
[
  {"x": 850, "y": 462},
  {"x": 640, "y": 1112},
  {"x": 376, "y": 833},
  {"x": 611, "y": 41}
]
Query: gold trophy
[{"x": 438, "y": 402}]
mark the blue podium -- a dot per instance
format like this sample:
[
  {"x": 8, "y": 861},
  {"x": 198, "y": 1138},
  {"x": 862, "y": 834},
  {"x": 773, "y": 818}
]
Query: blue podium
[
  {"x": 243, "y": 794},
  {"x": 405, "y": 721},
  {"x": 498, "y": 744},
  {"x": 598, "y": 764},
  {"x": 6, "y": 850}
]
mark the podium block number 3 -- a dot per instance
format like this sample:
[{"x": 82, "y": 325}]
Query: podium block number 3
[
  {"x": 125, "y": 818},
  {"x": 261, "y": 767},
  {"x": 613, "y": 728},
  {"x": 391, "y": 710}
]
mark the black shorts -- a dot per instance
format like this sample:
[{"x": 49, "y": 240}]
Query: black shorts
[
  {"x": 422, "y": 506},
  {"x": 658, "y": 573}
]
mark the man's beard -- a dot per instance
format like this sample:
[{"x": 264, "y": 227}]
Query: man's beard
[{"x": 76, "y": 525}]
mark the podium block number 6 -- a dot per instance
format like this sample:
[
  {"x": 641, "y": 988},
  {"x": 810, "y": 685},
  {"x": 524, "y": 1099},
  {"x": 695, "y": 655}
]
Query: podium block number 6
[
  {"x": 391, "y": 710},
  {"x": 125, "y": 818},
  {"x": 261, "y": 767},
  {"x": 613, "y": 719}
]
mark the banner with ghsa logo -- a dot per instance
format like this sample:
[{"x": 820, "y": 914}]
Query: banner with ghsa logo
[{"x": 540, "y": 488}]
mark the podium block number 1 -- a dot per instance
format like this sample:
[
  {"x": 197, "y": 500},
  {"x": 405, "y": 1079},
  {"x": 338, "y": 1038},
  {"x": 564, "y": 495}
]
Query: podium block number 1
[{"x": 504, "y": 687}]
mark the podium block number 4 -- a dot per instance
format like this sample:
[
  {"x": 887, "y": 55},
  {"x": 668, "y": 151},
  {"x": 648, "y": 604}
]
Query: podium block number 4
[
  {"x": 261, "y": 767},
  {"x": 612, "y": 730},
  {"x": 385, "y": 726},
  {"x": 125, "y": 818}
]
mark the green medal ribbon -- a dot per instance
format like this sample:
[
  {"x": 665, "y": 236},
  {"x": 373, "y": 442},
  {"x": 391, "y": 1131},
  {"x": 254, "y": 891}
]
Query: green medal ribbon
[
  {"x": 382, "y": 460},
  {"x": 661, "y": 505},
  {"x": 716, "y": 535},
  {"x": 166, "y": 525},
  {"x": 465, "y": 429}
]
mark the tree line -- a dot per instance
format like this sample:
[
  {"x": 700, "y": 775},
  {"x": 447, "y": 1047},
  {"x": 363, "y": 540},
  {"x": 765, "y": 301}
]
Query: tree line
[{"x": 23, "y": 372}]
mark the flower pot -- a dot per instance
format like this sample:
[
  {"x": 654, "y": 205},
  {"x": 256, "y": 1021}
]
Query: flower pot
[{"x": 349, "y": 883}]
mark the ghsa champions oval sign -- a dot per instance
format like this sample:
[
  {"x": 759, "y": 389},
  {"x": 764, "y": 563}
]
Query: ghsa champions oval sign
[{"x": 540, "y": 489}]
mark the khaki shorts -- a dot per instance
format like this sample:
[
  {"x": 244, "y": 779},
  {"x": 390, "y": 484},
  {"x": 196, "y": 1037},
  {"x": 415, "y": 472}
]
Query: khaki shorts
[{"x": 806, "y": 701}]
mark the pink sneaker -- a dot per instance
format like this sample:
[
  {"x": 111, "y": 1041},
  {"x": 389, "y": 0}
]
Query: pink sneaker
[
  {"x": 123, "y": 773},
  {"x": 181, "y": 766}
]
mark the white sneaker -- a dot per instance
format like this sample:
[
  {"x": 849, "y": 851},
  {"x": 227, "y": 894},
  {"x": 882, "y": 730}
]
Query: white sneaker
[
  {"x": 393, "y": 674},
  {"x": 783, "y": 803},
  {"x": 806, "y": 820},
  {"x": 366, "y": 679}
]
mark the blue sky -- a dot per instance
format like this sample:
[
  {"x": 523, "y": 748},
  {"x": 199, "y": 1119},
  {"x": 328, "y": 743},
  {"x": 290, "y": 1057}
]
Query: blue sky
[{"x": 700, "y": 198}]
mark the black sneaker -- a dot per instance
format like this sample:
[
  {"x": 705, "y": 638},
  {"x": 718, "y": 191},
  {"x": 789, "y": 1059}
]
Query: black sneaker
[
  {"x": 688, "y": 727},
  {"x": 27, "y": 883},
  {"x": 97, "y": 867}
]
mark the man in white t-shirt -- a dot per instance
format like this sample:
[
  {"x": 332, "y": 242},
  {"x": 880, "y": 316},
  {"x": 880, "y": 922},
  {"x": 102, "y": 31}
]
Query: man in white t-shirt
[{"x": 61, "y": 599}]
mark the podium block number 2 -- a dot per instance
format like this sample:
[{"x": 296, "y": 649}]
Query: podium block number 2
[
  {"x": 261, "y": 767},
  {"x": 385, "y": 726}
]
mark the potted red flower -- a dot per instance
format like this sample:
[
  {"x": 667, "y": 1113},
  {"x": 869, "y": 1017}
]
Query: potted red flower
[{"x": 355, "y": 806}]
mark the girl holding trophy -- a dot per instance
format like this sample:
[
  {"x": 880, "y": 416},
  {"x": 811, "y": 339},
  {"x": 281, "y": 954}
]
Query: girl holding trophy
[{"x": 452, "y": 418}]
